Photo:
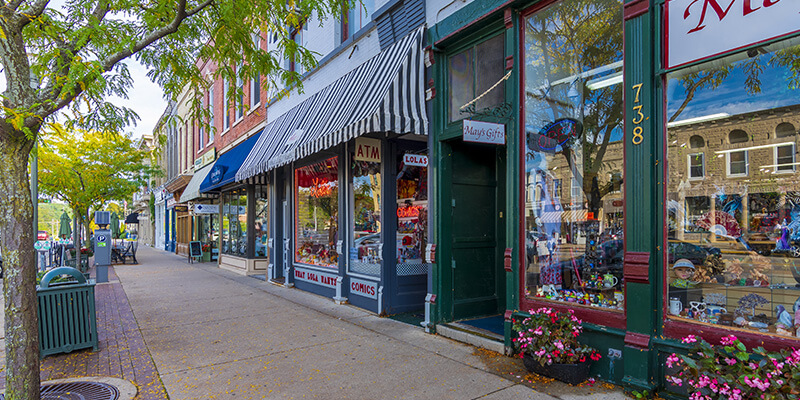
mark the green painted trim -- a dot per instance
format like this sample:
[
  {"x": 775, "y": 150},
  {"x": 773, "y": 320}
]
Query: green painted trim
[{"x": 462, "y": 18}]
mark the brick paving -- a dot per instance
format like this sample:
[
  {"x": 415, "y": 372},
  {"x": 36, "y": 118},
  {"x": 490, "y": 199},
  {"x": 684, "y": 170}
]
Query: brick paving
[{"x": 122, "y": 352}]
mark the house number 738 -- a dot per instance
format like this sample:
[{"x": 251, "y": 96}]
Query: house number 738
[{"x": 638, "y": 116}]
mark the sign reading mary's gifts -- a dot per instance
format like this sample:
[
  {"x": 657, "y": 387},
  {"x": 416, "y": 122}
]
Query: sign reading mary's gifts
[
  {"x": 216, "y": 174},
  {"x": 484, "y": 132},
  {"x": 698, "y": 29}
]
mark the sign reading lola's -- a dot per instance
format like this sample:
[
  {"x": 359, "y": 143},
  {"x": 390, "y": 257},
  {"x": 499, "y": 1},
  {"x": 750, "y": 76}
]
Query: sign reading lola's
[
  {"x": 415, "y": 160},
  {"x": 698, "y": 29},
  {"x": 484, "y": 132}
]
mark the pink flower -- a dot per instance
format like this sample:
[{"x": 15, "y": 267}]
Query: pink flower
[
  {"x": 730, "y": 361},
  {"x": 728, "y": 340},
  {"x": 673, "y": 360},
  {"x": 538, "y": 331},
  {"x": 675, "y": 381},
  {"x": 689, "y": 339},
  {"x": 540, "y": 352},
  {"x": 559, "y": 345}
]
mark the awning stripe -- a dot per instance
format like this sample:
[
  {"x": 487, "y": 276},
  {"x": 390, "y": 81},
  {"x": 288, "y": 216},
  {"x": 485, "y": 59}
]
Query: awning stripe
[{"x": 384, "y": 94}]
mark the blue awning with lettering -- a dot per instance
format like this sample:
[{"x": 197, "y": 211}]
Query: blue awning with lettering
[{"x": 224, "y": 170}]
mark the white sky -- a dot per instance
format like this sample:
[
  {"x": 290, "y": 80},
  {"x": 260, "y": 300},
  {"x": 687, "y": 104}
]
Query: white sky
[{"x": 145, "y": 98}]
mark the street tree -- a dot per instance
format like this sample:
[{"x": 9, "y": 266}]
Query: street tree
[
  {"x": 88, "y": 169},
  {"x": 63, "y": 60}
]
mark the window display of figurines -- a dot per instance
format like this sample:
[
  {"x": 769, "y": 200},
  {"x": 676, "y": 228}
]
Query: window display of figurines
[
  {"x": 412, "y": 208},
  {"x": 733, "y": 247},
  {"x": 573, "y": 157},
  {"x": 316, "y": 214}
]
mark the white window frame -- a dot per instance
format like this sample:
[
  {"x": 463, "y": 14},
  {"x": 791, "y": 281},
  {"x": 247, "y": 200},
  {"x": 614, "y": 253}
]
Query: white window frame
[
  {"x": 226, "y": 107},
  {"x": 746, "y": 164},
  {"x": 210, "y": 116},
  {"x": 239, "y": 101},
  {"x": 794, "y": 159},
  {"x": 255, "y": 83},
  {"x": 689, "y": 166}
]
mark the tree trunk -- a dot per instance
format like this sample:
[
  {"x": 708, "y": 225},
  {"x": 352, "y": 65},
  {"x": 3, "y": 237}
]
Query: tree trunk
[{"x": 19, "y": 275}]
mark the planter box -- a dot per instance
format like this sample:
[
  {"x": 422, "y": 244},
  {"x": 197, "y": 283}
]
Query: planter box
[{"x": 567, "y": 373}]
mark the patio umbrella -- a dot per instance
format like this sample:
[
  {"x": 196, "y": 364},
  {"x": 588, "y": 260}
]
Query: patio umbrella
[
  {"x": 114, "y": 225},
  {"x": 64, "y": 229}
]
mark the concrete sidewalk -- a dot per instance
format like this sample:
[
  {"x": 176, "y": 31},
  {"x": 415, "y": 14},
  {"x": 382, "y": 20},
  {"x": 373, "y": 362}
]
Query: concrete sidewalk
[
  {"x": 194, "y": 331},
  {"x": 213, "y": 334}
]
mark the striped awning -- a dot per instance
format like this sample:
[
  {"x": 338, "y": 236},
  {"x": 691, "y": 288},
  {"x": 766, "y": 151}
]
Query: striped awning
[
  {"x": 385, "y": 94},
  {"x": 192, "y": 190},
  {"x": 567, "y": 216}
]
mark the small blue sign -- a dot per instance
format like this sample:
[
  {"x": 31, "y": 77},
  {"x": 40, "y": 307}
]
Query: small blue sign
[{"x": 216, "y": 174}]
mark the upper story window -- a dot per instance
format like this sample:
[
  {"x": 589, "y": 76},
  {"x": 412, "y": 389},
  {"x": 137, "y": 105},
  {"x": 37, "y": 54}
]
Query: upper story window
[
  {"x": 696, "y": 142},
  {"x": 784, "y": 129},
  {"x": 239, "y": 93},
  {"x": 211, "y": 114},
  {"x": 255, "y": 83},
  {"x": 697, "y": 165},
  {"x": 226, "y": 107},
  {"x": 298, "y": 36},
  {"x": 737, "y": 136},
  {"x": 472, "y": 72},
  {"x": 356, "y": 17},
  {"x": 784, "y": 158}
]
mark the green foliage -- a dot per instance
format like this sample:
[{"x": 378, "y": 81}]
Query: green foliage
[
  {"x": 551, "y": 337},
  {"x": 86, "y": 170},
  {"x": 731, "y": 371}
]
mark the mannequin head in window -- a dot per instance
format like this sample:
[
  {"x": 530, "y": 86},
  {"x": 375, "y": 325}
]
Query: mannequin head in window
[{"x": 683, "y": 269}]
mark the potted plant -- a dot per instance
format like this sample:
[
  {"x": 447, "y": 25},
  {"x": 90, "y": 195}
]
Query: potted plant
[
  {"x": 548, "y": 345},
  {"x": 731, "y": 371}
]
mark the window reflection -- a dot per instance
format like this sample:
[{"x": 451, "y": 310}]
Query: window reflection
[
  {"x": 573, "y": 120},
  {"x": 365, "y": 255},
  {"x": 262, "y": 221},
  {"x": 317, "y": 227},
  {"x": 734, "y": 234}
]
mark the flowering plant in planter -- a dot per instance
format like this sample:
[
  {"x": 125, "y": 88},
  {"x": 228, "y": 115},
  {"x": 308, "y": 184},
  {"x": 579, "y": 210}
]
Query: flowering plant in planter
[
  {"x": 551, "y": 337},
  {"x": 730, "y": 371}
]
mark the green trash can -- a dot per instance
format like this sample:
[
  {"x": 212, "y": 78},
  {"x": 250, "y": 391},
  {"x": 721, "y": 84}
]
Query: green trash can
[{"x": 67, "y": 319}]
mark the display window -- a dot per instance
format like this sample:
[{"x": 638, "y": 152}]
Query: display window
[
  {"x": 734, "y": 229},
  {"x": 261, "y": 222},
  {"x": 573, "y": 161},
  {"x": 234, "y": 222},
  {"x": 365, "y": 255},
  {"x": 412, "y": 208},
  {"x": 208, "y": 233},
  {"x": 317, "y": 213}
]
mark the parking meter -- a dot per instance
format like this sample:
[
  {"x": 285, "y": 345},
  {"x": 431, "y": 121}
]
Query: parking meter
[{"x": 102, "y": 246}]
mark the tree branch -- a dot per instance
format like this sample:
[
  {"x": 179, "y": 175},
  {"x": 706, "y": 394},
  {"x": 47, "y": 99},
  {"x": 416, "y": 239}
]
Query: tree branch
[
  {"x": 180, "y": 16},
  {"x": 24, "y": 17},
  {"x": 109, "y": 63}
]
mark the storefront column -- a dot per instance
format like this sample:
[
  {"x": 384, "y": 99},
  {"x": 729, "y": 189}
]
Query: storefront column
[{"x": 644, "y": 194}]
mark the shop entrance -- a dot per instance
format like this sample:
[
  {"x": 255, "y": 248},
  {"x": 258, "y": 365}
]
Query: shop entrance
[{"x": 477, "y": 229}]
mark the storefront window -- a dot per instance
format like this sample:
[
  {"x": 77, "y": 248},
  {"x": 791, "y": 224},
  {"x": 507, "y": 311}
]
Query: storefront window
[
  {"x": 574, "y": 130},
  {"x": 412, "y": 211},
  {"x": 262, "y": 221},
  {"x": 208, "y": 234},
  {"x": 317, "y": 213},
  {"x": 365, "y": 256},
  {"x": 234, "y": 222},
  {"x": 734, "y": 236}
]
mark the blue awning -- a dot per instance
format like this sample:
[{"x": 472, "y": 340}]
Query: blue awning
[{"x": 224, "y": 170}]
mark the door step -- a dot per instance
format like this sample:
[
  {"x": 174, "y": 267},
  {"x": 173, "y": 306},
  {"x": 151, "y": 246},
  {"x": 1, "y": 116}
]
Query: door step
[{"x": 473, "y": 336}]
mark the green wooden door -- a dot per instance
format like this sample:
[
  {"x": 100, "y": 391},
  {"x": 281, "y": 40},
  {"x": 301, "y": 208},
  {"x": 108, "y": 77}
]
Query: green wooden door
[{"x": 477, "y": 229}]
